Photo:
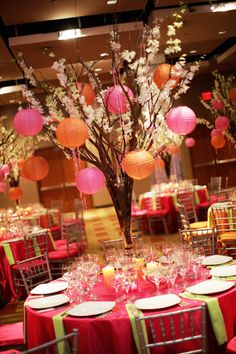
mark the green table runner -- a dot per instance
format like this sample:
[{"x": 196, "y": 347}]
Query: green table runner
[{"x": 8, "y": 253}]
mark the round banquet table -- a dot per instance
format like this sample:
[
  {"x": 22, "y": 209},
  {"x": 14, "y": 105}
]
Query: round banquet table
[{"x": 111, "y": 332}]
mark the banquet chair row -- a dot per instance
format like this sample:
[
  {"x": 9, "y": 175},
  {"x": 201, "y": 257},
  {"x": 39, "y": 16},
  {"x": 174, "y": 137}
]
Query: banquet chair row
[
  {"x": 156, "y": 213},
  {"x": 199, "y": 238},
  {"x": 175, "y": 330}
]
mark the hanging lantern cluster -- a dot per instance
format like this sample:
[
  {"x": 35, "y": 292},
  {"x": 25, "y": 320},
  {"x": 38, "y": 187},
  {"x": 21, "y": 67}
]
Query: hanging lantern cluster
[
  {"x": 181, "y": 120},
  {"x": 71, "y": 133},
  {"x": 35, "y": 168},
  {"x": 165, "y": 72},
  {"x": 90, "y": 180},
  {"x": 28, "y": 122},
  {"x": 116, "y": 101}
]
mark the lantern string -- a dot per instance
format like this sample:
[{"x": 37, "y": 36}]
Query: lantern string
[{"x": 77, "y": 168}]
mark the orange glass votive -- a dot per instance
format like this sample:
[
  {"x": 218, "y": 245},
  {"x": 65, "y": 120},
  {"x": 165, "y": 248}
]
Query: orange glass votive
[{"x": 108, "y": 275}]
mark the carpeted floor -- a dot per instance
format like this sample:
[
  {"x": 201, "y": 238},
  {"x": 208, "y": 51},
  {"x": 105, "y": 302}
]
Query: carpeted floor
[{"x": 101, "y": 224}]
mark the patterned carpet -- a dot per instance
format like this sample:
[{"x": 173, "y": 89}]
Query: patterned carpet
[{"x": 101, "y": 224}]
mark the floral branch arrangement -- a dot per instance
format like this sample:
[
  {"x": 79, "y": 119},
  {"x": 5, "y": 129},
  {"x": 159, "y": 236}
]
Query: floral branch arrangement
[
  {"x": 221, "y": 103},
  {"x": 123, "y": 128}
]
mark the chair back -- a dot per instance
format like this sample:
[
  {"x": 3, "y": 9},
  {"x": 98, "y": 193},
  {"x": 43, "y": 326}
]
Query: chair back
[
  {"x": 186, "y": 198},
  {"x": 34, "y": 271},
  {"x": 183, "y": 215},
  {"x": 73, "y": 233},
  {"x": 53, "y": 345},
  {"x": 177, "y": 331},
  {"x": 36, "y": 243},
  {"x": 199, "y": 238},
  {"x": 153, "y": 202}
]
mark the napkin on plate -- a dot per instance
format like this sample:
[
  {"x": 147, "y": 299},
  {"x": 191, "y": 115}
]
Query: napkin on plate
[
  {"x": 133, "y": 312},
  {"x": 8, "y": 253},
  {"x": 217, "y": 319}
]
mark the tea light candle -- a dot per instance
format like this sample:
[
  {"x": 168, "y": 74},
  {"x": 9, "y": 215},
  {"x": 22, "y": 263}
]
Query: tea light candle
[{"x": 108, "y": 274}]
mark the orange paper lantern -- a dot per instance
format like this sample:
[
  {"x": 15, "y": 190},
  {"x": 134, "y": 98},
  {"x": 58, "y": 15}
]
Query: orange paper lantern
[
  {"x": 160, "y": 164},
  {"x": 163, "y": 73},
  {"x": 20, "y": 163},
  {"x": 86, "y": 91},
  {"x": 35, "y": 168},
  {"x": 174, "y": 149},
  {"x": 138, "y": 164},
  {"x": 218, "y": 141},
  {"x": 15, "y": 193},
  {"x": 71, "y": 132},
  {"x": 232, "y": 94}
]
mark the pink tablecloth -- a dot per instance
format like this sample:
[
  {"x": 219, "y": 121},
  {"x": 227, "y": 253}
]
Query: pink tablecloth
[
  {"x": 112, "y": 333},
  {"x": 7, "y": 291}
]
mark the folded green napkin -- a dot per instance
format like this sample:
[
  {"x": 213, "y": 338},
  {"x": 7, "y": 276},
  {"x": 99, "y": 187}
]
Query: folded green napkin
[
  {"x": 36, "y": 247},
  {"x": 8, "y": 253},
  {"x": 59, "y": 329},
  {"x": 133, "y": 312},
  {"x": 217, "y": 319},
  {"x": 232, "y": 277}
]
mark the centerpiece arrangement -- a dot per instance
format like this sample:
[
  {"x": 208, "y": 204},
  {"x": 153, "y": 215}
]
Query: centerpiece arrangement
[{"x": 122, "y": 129}]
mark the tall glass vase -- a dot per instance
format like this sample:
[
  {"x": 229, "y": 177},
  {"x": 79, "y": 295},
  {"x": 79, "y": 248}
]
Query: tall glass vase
[{"x": 120, "y": 190}]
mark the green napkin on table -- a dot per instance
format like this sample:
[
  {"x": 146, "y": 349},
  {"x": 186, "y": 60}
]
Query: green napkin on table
[
  {"x": 8, "y": 253},
  {"x": 133, "y": 312},
  {"x": 217, "y": 319},
  {"x": 59, "y": 329}
]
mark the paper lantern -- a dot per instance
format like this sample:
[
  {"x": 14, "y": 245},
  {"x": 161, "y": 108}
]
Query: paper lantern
[
  {"x": 159, "y": 163},
  {"x": 71, "y": 132},
  {"x": 2, "y": 175},
  {"x": 190, "y": 142},
  {"x": 20, "y": 163},
  {"x": 181, "y": 120},
  {"x": 174, "y": 149},
  {"x": 138, "y": 164},
  {"x": 28, "y": 122},
  {"x": 206, "y": 96},
  {"x": 222, "y": 123},
  {"x": 6, "y": 169},
  {"x": 218, "y": 141},
  {"x": 232, "y": 94},
  {"x": 163, "y": 73},
  {"x": 215, "y": 132},
  {"x": 35, "y": 168},
  {"x": 15, "y": 193},
  {"x": 218, "y": 105},
  {"x": 116, "y": 100},
  {"x": 87, "y": 92},
  {"x": 90, "y": 180},
  {"x": 3, "y": 186}
]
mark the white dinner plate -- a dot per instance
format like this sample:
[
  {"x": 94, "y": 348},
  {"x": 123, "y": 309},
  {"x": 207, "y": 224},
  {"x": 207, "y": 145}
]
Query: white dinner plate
[
  {"x": 91, "y": 308},
  {"x": 225, "y": 271},
  {"x": 157, "y": 302},
  {"x": 216, "y": 259},
  {"x": 49, "y": 288},
  {"x": 210, "y": 287},
  {"x": 49, "y": 301}
]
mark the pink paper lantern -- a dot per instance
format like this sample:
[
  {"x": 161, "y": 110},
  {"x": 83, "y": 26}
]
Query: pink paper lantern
[
  {"x": 222, "y": 123},
  {"x": 3, "y": 187},
  {"x": 190, "y": 142},
  {"x": 215, "y": 132},
  {"x": 116, "y": 100},
  {"x": 90, "y": 180},
  {"x": 28, "y": 122},
  {"x": 181, "y": 120},
  {"x": 2, "y": 175},
  {"x": 6, "y": 169},
  {"x": 219, "y": 105}
]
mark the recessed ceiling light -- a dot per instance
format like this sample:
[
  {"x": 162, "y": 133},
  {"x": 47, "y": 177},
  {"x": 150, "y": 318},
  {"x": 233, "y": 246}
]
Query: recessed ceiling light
[
  {"x": 193, "y": 51},
  {"x": 227, "y": 6},
  {"x": 104, "y": 54},
  {"x": 12, "y": 101},
  {"x": 111, "y": 2},
  {"x": 98, "y": 69},
  {"x": 221, "y": 32},
  {"x": 69, "y": 34}
]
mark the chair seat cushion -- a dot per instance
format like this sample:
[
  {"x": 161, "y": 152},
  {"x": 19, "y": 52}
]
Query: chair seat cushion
[
  {"x": 61, "y": 255},
  {"x": 203, "y": 205},
  {"x": 231, "y": 235},
  {"x": 198, "y": 225},
  {"x": 157, "y": 212},
  {"x": 11, "y": 334},
  {"x": 60, "y": 242},
  {"x": 231, "y": 346}
]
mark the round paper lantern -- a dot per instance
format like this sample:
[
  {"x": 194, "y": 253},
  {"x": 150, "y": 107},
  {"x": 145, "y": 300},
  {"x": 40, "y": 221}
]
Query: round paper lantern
[
  {"x": 87, "y": 92},
  {"x": 218, "y": 141},
  {"x": 20, "y": 163},
  {"x": 189, "y": 142},
  {"x": 181, "y": 120},
  {"x": 3, "y": 186},
  {"x": 219, "y": 105},
  {"x": 15, "y": 193},
  {"x": 232, "y": 94},
  {"x": 215, "y": 132},
  {"x": 116, "y": 100},
  {"x": 28, "y": 122},
  {"x": 163, "y": 73},
  {"x": 71, "y": 132},
  {"x": 6, "y": 169},
  {"x": 35, "y": 168},
  {"x": 222, "y": 123},
  {"x": 160, "y": 164},
  {"x": 90, "y": 180},
  {"x": 2, "y": 175},
  {"x": 138, "y": 164}
]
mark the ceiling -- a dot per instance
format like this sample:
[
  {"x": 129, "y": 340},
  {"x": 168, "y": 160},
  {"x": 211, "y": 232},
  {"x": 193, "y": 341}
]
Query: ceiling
[{"x": 32, "y": 28}]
